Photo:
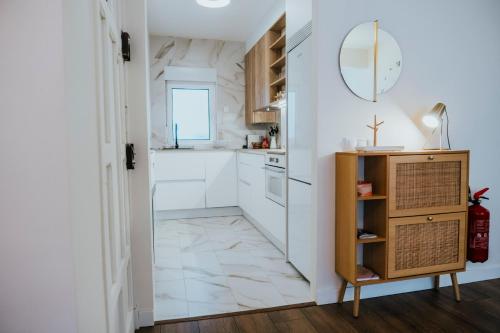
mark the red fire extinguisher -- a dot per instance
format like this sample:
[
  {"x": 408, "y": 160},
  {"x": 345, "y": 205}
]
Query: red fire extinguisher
[{"x": 479, "y": 228}]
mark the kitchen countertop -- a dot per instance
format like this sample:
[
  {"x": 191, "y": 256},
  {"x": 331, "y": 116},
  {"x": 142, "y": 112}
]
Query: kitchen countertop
[
  {"x": 263, "y": 151},
  {"x": 246, "y": 151},
  {"x": 192, "y": 150}
]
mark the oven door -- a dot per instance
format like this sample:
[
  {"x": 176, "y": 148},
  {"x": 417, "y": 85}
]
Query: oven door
[{"x": 276, "y": 184}]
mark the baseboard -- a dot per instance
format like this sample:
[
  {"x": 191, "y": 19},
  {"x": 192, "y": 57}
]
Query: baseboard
[
  {"x": 144, "y": 318},
  {"x": 197, "y": 213},
  {"x": 474, "y": 273},
  {"x": 280, "y": 246}
]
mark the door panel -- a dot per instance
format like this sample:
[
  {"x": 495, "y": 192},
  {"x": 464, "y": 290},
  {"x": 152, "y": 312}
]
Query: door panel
[
  {"x": 421, "y": 184},
  {"x": 114, "y": 190},
  {"x": 426, "y": 244}
]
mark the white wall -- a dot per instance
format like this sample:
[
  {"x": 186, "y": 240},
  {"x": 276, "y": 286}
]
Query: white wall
[
  {"x": 135, "y": 23},
  {"x": 298, "y": 14},
  {"x": 265, "y": 23},
  {"x": 451, "y": 54},
  {"x": 37, "y": 284}
]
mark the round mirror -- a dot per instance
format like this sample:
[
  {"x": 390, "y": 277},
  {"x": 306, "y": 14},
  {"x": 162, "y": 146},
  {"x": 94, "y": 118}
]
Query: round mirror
[{"x": 370, "y": 61}]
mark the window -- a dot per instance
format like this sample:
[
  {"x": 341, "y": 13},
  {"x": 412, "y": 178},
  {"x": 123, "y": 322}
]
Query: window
[{"x": 190, "y": 115}]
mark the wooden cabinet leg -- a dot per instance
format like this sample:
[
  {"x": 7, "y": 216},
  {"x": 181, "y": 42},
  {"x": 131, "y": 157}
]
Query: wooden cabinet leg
[
  {"x": 357, "y": 295},
  {"x": 436, "y": 282},
  {"x": 456, "y": 289},
  {"x": 342, "y": 291}
]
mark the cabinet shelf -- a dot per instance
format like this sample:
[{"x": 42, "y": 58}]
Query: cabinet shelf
[
  {"x": 372, "y": 197},
  {"x": 279, "y": 82},
  {"x": 371, "y": 240},
  {"x": 278, "y": 64},
  {"x": 279, "y": 43}
]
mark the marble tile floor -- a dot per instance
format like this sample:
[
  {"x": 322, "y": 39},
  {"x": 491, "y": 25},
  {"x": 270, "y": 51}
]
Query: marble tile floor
[{"x": 217, "y": 265}]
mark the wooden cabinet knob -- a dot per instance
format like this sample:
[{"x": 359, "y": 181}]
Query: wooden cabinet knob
[
  {"x": 430, "y": 157},
  {"x": 430, "y": 218}
]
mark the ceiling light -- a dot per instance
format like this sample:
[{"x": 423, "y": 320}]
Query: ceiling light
[{"x": 213, "y": 3}]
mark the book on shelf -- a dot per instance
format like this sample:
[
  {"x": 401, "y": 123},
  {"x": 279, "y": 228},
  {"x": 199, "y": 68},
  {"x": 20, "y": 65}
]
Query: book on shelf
[
  {"x": 363, "y": 234},
  {"x": 365, "y": 274}
]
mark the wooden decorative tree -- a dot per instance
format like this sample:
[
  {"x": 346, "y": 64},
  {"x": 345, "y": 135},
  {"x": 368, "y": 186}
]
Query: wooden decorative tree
[{"x": 375, "y": 129}]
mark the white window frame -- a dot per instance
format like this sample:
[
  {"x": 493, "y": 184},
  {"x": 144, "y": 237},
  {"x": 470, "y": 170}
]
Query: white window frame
[{"x": 211, "y": 87}]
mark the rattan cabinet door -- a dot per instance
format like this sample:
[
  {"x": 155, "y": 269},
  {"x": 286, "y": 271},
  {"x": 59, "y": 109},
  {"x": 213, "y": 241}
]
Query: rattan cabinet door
[
  {"x": 426, "y": 244},
  {"x": 427, "y": 184}
]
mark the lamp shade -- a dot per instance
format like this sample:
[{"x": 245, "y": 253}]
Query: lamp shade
[
  {"x": 214, "y": 3},
  {"x": 435, "y": 116}
]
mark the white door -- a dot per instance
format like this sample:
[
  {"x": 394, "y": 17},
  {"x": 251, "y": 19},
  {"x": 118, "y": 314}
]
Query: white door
[{"x": 114, "y": 185}]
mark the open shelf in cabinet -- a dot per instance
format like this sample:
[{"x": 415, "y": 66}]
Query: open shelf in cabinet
[
  {"x": 372, "y": 197},
  {"x": 371, "y": 240},
  {"x": 279, "y": 82},
  {"x": 279, "y": 63},
  {"x": 372, "y": 256},
  {"x": 279, "y": 43}
]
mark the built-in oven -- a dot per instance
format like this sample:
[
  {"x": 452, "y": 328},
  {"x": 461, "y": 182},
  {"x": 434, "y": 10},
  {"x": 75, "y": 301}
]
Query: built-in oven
[{"x": 276, "y": 178}]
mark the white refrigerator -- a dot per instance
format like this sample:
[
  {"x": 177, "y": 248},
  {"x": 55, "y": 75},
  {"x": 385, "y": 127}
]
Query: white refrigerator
[{"x": 300, "y": 154}]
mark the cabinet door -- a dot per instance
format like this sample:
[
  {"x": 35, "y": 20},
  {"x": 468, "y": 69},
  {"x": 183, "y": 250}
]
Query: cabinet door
[
  {"x": 426, "y": 244},
  {"x": 427, "y": 184},
  {"x": 179, "y": 166},
  {"x": 244, "y": 195},
  {"x": 221, "y": 179},
  {"x": 249, "y": 86},
  {"x": 262, "y": 73},
  {"x": 258, "y": 196},
  {"x": 275, "y": 221},
  {"x": 180, "y": 195},
  {"x": 252, "y": 179},
  {"x": 299, "y": 226}
]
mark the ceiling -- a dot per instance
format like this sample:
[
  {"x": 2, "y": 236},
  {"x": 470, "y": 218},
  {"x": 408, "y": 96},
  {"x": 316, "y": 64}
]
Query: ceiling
[{"x": 185, "y": 18}]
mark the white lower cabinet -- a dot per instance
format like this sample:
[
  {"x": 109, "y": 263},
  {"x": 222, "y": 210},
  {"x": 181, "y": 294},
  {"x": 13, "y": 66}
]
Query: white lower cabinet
[
  {"x": 275, "y": 221},
  {"x": 221, "y": 179},
  {"x": 244, "y": 198},
  {"x": 174, "y": 195},
  {"x": 195, "y": 179},
  {"x": 270, "y": 216},
  {"x": 251, "y": 184}
]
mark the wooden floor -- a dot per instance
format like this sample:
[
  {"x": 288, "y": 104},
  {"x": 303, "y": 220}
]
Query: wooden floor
[{"x": 424, "y": 311}]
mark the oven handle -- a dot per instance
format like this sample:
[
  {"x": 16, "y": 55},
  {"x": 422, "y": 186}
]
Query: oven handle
[{"x": 275, "y": 170}]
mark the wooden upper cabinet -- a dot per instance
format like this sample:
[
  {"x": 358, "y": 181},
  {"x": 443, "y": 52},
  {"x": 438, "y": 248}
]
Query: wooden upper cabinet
[
  {"x": 261, "y": 76},
  {"x": 249, "y": 86},
  {"x": 428, "y": 184}
]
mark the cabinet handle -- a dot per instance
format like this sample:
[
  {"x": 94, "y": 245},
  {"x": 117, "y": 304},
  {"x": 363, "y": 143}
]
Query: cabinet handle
[
  {"x": 430, "y": 218},
  {"x": 430, "y": 157},
  {"x": 246, "y": 183}
]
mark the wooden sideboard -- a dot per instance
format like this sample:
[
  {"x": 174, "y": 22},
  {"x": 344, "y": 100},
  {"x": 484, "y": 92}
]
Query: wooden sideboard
[{"x": 418, "y": 211}]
